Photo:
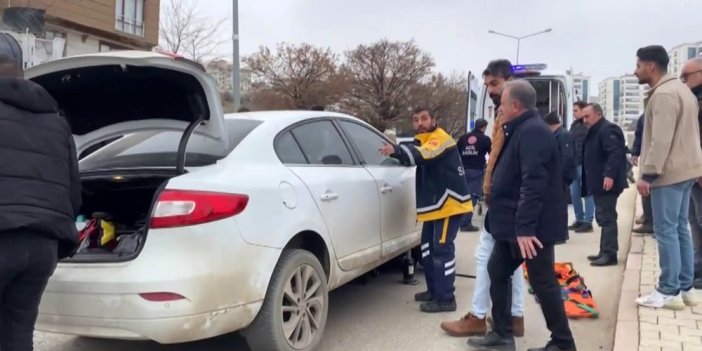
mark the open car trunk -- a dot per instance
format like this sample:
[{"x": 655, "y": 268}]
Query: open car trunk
[{"x": 125, "y": 201}]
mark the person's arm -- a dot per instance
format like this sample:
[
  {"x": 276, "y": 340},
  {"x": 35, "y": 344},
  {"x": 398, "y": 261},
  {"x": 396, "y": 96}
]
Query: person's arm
[
  {"x": 615, "y": 148},
  {"x": 663, "y": 113},
  {"x": 567, "y": 148},
  {"x": 638, "y": 135},
  {"x": 75, "y": 184},
  {"x": 432, "y": 150},
  {"x": 533, "y": 159}
]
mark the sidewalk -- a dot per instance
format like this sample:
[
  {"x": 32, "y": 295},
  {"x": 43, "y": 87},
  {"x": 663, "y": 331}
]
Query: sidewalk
[{"x": 647, "y": 329}]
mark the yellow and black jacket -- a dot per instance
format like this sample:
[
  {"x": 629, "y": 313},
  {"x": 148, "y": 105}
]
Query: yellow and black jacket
[{"x": 442, "y": 190}]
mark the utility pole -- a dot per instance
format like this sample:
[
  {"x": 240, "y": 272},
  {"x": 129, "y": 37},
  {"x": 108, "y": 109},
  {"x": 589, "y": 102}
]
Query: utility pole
[
  {"x": 236, "y": 74},
  {"x": 519, "y": 39}
]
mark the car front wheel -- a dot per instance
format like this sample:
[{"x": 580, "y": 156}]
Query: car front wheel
[{"x": 294, "y": 312}]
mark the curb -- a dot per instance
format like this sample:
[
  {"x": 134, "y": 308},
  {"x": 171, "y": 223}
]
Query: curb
[{"x": 626, "y": 336}]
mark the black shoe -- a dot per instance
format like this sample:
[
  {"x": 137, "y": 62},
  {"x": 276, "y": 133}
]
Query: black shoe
[
  {"x": 424, "y": 296},
  {"x": 643, "y": 229},
  {"x": 584, "y": 228},
  {"x": 594, "y": 257},
  {"x": 493, "y": 341},
  {"x": 436, "y": 306},
  {"x": 552, "y": 347},
  {"x": 604, "y": 261},
  {"x": 469, "y": 228},
  {"x": 575, "y": 226}
]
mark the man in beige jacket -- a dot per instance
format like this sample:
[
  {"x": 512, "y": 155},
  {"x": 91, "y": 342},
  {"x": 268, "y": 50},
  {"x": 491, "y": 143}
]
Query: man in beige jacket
[{"x": 670, "y": 164}]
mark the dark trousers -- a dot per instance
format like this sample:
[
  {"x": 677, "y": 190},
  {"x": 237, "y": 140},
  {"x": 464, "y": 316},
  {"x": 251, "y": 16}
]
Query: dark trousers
[
  {"x": 474, "y": 178},
  {"x": 606, "y": 216},
  {"x": 647, "y": 210},
  {"x": 505, "y": 259},
  {"x": 26, "y": 263},
  {"x": 438, "y": 256},
  {"x": 695, "y": 219}
]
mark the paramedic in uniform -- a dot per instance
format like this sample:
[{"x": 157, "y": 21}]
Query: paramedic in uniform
[
  {"x": 40, "y": 196},
  {"x": 442, "y": 201}
]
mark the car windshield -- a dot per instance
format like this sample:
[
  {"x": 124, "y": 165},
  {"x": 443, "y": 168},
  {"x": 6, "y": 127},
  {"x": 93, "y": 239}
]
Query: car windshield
[{"x": 155, "y": 149}]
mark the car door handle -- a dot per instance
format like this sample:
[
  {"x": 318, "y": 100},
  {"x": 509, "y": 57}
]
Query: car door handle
[
  {"x": 386, "y": 189},
  {"x": 329, "y": 196}
]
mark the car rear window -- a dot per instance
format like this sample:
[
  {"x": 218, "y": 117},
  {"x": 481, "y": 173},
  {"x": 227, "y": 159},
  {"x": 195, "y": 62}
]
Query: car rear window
[{"x": 160, "y": 148}]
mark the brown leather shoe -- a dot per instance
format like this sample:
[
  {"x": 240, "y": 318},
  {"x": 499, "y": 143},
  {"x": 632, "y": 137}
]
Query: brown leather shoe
[
  {"x": 517, "y": 325},
  {"x": 468, "y": 325}
]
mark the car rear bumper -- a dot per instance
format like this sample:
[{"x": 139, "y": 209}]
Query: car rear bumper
[{"x": 162, "y": 330}]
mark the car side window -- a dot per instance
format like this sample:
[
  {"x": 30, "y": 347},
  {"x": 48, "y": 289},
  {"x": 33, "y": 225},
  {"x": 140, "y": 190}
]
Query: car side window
[
  {"x": 288, "y": 150},
  {"x": 322, "y": 144},
  {"x": 368, "y": 143}
]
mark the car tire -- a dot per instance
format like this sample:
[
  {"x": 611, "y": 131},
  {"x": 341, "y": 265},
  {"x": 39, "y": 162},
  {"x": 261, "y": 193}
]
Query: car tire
[{"x": 292, "y": 319}]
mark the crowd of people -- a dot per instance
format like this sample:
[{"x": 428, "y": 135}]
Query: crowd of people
[{"x": 534, "y": 164}]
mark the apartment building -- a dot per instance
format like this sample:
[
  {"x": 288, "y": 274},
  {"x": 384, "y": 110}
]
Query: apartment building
[
  {"x": 622, "y": 98},
  {"x": 57, "y": 28},
  {"x": 581, "y": 83},
  {"x": 681, "y": 54}
]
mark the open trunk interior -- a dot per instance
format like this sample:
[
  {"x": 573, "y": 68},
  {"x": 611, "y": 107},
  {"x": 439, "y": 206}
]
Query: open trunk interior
[{"x": 124, "y": 201}]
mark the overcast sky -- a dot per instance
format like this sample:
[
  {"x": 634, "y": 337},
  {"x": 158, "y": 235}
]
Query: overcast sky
[{"x": 597, "y": 37}]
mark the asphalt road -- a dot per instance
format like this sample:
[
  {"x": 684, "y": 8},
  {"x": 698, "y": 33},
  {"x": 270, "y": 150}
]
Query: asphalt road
[{"x": 381, "y": 314}]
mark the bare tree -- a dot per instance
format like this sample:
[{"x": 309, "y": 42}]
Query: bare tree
[
  {"x": 383, "y": 75},
  {"x": 446, "y": 98},
  {"x": 186, "y": 31},
  {"x": 294, "y": 76}
]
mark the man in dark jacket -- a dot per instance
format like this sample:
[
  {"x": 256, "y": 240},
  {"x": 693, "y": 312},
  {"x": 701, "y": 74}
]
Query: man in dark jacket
[
  {"x": 41, "y": 195},
  {"x": 646, "y": 221},
  {"x": 692, "y": 77},
  {"x": 604, "y": 177},
  {"x": 584, "y": 206},
  {"x": 473, "y": 147},
  {"x": 528, "y": 215},
  {"x": 564, "y": 140},
  {"x": 442, "y": 201}
]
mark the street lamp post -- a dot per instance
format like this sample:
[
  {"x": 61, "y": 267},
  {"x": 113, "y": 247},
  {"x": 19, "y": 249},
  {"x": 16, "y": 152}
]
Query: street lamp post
[
  {"x": 519, "y": 39},
  {"x": 236, "y": 85}
]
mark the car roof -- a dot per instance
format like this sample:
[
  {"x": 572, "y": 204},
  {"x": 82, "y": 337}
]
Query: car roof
[{"x": 285, "y": 118}]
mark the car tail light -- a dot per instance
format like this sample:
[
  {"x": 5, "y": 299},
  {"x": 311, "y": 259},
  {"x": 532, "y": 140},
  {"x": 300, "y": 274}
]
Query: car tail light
[
  {"x": 161, "y": 296},
  {"x": 179, "y": 208}
]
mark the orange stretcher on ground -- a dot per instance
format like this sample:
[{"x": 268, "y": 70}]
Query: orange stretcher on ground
[{"x": 577, "y": 298}]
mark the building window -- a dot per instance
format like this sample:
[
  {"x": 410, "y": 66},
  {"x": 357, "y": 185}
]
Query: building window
[{"x": 129, "y": 17}]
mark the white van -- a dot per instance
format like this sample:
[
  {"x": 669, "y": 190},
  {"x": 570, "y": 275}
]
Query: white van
[{"x": 554, "y": 92}]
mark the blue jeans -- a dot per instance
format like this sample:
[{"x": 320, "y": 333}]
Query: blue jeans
[
  {"x": 474, "y": 178},
  {"x": 587, "y": 214},
  {"x": 671, "y": 206}
]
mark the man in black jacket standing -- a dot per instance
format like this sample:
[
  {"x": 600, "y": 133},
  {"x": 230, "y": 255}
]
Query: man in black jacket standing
[
  {"x": 604, "y": 177},
  {"x": 41, "y": 195},
  {"x": 473, "y": 147},
  {"x": 584, "y": 206},
  {"x": 528, "y": 215},
  {"x": 564, "y": 140},
  {"x": 646, "y": 221}
]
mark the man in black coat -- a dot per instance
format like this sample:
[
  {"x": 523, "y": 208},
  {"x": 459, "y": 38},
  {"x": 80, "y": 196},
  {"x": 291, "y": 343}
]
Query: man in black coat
[
  {"x": 473, "y": 147},
  {"x": 566, "y": 149},
  {"x": 646, "y": 221},
  {"x": 604, "y": 177},
  {"x": 40, "y": 196},
  {"x": 584, "y": 206},
  {"x": 528, "y": 215}
]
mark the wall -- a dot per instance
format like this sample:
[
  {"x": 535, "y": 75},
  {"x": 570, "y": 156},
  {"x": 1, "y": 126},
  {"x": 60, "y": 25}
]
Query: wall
[
  {"x": 96, "y": 14},
  {"x": 76, "y": 46}
]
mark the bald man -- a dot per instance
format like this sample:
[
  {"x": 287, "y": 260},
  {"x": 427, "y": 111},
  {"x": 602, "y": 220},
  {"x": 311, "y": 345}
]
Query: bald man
[{"x": 692, "y": 77}]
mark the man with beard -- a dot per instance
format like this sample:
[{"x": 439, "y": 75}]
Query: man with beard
[
  {"x": 671, "y": 161},
  {"x": 692, "y": 77},
  {"x": 584, "y": 206},
  {"x": 442, "y": 201},
  {"x": 495, "y": 76}
]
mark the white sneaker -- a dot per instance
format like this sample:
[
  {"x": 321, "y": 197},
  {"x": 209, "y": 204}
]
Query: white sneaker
[
  {"x": 689, "y": 297},
  {"x": 658, "y": 300}
]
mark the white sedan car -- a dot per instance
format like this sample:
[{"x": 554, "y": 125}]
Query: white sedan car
[{"x": 243, "y": 222}]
